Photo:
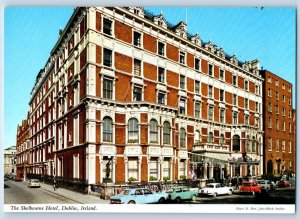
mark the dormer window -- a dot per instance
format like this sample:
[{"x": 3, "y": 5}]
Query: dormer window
[
  {"x": 137, "y": 10},
  {"x": 160, "y": 21},
  {"x": 196, "y": 39},
  {"x": 180, "y": 30}
]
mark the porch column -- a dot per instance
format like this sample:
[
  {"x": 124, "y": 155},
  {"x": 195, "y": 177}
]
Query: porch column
[
  {"x": 205, "y": 171},
  {"x": 211, "y": 171}
]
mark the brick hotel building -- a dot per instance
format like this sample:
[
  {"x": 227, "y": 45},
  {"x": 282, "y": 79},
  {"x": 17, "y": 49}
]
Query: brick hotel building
[
  {"x": 127, "y": 88},
  {"x": 279, "y": 125}
]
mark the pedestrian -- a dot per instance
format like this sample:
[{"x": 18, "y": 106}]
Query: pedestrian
[{"x": 54, "y": 184}]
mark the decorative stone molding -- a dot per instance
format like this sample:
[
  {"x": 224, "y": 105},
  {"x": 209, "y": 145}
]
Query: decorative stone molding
[
  {"x": 210, "y": 47},
  {"x": 221, "y": 53},
  {"x": 234, "y": 60}
]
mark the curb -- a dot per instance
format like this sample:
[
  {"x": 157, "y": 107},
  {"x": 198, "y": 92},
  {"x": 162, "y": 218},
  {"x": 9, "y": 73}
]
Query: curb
[{"x": 61, "y": 195}]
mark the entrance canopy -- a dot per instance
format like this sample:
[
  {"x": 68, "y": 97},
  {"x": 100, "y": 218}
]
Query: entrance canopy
[{"x": 204, "y": 158}]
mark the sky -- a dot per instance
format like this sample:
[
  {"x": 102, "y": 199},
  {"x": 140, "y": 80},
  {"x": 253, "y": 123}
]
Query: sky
[{"x": 266, "y": 34}]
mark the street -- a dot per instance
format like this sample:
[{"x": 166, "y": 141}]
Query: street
[{"x": 19, "y": 193}]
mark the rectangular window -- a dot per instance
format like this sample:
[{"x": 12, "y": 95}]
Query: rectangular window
[
  {"x": 137, "y": 93},
  {"x": 76, "y": 166},
  {"x": 76, "y": 130},
  {"x": 277, "y": 124},
  {"x": 210, "y": 113},
  {"x": 290, "y": 114},
  {"x": 269, "y": 79},
  {"x": 290, "y": 101},
  {"x": 197, "y": 109},
  {"x": 107, "y": 26},
  {"x": 276, "y": 95},
  {"x": 182, "y": 81},
  {"x": 277, "y": 144},
  {"x": 137, "y": 39},
  {"x": 210, "y": 91},
  {"x": 197, "y": 87},
  {"x": 270, "y": 144},
  {"x": 222, "y": 115},
  {"x": 161, "y": 98},
  {"x": 210, "y": 70},
  {"x": 276, "y": 109},
  {"x": 107, "y": 89},
  {"x": 133, "y": 168},
  {"x": 270, "y": 122},
  {"x": 182, "y": 58},
  {"x": 221, "y": 74},
  {"x": 283, "y": 98},
  {"x": 256, "y": 89},
  {"x": 166, "y": 169},
  {"x": 246, "y": 103},
  {"x": 235, "y": 118},
  {"x": 153, "y": 164},
  {"x": 221, "y": 95},
  {"x": 234, "y": 99},
  {"x": 197, "y": 64},
  {"x": 182, "y": 106},
  {"x": 161, "y": 49},
  {"x": 269, "y": 92},
  {"x": 290, "y": 127},
  {"x": 182, "y": 168},
  {"x": 256, "y": 107},
  {"x": 246, "y": 119},
  {"x": 283, "y": 126},
  {"x": 270, "y": 107},
  {"x": 246, "y": 85},
  {"x": 234, "y": 80},
  {"x": 107, "y": 57},
  {"x": 161, "y": 75},
  {"x": 137, "y": 67},
  {"x": 290, "y": 147},
  {"x": 276, "y": 83},
  {"x": 283, "y": 111}
]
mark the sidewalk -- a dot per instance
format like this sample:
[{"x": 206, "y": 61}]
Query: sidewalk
[{"x": 73, "y": 195}]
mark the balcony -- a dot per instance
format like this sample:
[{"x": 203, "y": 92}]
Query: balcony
[{"x": 210, "y": 147}]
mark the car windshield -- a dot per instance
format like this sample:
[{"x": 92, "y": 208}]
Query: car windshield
[
  {"x": 34, "y": 180},
  {"x": 210, "y": 186}
]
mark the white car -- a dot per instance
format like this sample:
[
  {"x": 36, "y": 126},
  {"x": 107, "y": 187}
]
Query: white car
[
  {"x": 34, "y": 183},
  {"x": 214, "y": 189}
]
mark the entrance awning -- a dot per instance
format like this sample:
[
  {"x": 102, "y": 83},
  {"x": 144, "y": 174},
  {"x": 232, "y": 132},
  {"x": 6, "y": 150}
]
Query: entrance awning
[{"x": 201, "y": 158}]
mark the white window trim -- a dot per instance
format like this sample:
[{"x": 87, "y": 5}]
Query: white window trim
[
  {"x": 113, "y": 86},
  {"x": 164, "y": 48},
  {"x": 112, "y": 27},
  {"x": 141, "y": 39},
  {"x": 112, "y": 58}
]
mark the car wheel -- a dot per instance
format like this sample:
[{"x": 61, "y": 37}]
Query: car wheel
[
  {"x": 161, "y": 200},
  {"x": 178, "y": 199},
  {"x": 215, "y": 194},
  {"x": 131, "y": 202},
  {"x": 194, "y": 198},
  {"x": 230, "y": 192}
]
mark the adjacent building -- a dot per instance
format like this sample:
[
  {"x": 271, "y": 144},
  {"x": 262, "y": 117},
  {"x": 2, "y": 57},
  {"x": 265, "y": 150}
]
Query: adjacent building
[
  {"x": 22, "y": 148},
  {"x": 126, "y": 95},
  {"x": 10, "y": 160},
  {"x": 279, "y": 125}
]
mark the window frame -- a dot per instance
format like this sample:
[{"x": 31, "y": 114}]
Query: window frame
[{"x": 111, "y": 26}]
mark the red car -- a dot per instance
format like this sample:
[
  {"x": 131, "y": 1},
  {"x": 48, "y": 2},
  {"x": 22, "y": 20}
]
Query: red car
[
  {"x": 18, "y": 178},
  {"x": 284, "y": 184},
  {"x": 250, "y": 187}
]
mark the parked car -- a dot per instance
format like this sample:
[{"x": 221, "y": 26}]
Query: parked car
[
  {"x": 18, "y": 178},
  {"x": 284, "y": 183},
  {"x": 264, "y": 184},
  {"x": 34, "y": 183},
  {"x": 138, "y": 196},
  {"x": 250, "y": 187},
  {"x": 214, "y": 189},
  {"x": 180, "y": 193}
]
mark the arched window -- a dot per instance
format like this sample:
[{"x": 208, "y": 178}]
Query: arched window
[
  {"x": 222, "y": 139},
  {"x": 153, "y": 131},
  {"x": 182, "y": 138},
  {"x": 167, "y": 133},
  {"x": 236, "y": 143},
  {"x": 133, "y": 131},
  {"x": 253, "y": 144},
  {"x": 107, "y": 129},
  {"x": 211, "y": 137}
]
